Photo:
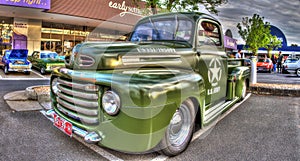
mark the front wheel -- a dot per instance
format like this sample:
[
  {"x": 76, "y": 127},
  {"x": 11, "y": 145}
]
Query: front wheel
[
  {"x": 298, "y": 72},
  {"x": 43, "y": 71},
  {"x": 5, "y": 70},
  {"x": 180, "y": 130}
]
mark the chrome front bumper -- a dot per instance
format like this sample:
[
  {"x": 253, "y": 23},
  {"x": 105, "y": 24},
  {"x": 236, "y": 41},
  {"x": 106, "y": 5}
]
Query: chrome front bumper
[
  {"x": 19, "y": 69},
  {"x": 89, "y": 137}
]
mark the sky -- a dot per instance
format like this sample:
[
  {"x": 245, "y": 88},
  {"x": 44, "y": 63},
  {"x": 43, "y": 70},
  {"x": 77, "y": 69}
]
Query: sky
[{"x": 284, "y": 14}]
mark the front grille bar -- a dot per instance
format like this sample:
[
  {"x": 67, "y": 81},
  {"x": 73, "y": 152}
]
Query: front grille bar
[
  {"x": 78, "y": 86},
  {"x": 90, "y": 112},
  {"x": 92, "y": 96},
  {"x": 81, "y": 102}
]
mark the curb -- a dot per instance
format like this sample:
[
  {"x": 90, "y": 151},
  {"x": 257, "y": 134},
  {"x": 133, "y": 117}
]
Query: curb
[
  {"x": 29, "y": 99},
  {"x": 290, "y": 90},
  {"x": 42, "y": 97}
]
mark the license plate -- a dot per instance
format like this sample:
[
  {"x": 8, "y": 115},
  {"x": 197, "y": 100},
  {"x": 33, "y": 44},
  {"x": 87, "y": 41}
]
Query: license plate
[{"x": 62, "y": 124}]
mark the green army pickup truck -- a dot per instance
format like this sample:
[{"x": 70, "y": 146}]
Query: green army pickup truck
[{"x": 150, "y": 92}]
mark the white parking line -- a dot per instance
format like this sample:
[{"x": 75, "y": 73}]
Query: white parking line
[
  {"x": 203, "y": 132},
  {"x": 160, "y": 158},
  {"x": 25, "y": 78},
  {"x": 98, "y": 150},
  {"x": 38, "y": 74}
]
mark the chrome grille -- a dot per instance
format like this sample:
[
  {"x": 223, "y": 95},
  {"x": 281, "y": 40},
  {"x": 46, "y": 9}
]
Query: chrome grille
[
  {"x": 78, "y": 101},
  {"x": 86, "y": 61}
]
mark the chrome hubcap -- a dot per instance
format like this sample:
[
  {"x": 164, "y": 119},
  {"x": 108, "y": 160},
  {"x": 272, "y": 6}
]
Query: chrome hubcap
[{"x": 180, "y": 126}]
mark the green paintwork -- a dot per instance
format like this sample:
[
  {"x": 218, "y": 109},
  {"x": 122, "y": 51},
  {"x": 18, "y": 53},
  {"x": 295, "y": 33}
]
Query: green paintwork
[{"x": 152, "y": 80}]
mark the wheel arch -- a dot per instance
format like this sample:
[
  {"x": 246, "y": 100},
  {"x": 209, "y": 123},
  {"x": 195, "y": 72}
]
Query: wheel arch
[{"x": 198, "y": 112}]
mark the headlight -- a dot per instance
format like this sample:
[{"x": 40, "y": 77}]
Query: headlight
[
  {"x": 54, "y": 85},
  {"x": 111, "y": 102}
]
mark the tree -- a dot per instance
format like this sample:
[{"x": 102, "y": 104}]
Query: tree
[
  {"x": 179, "y": 5},
  {"x": 255, "y": 32},
  {"x": 274, "y": 43}
]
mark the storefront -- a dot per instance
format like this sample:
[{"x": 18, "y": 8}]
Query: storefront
[
  {"x": 59, "y": 25},
  {"x": 285, "y": 49}
]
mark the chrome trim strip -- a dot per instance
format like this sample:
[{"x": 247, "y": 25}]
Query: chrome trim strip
[
  {"x": 77, "y": 85},
  {"x": 92, "y": 138},
  {"x": 81, "y": 61},
  {"x": 90, "y": 112},
  {"x": 84, "y": 119},
  {"x": 150, "y": 59},
  {"x": 90, "y": 103},
  {"x": 89, "y": 96},
  {"x": 79, "y": 131}
]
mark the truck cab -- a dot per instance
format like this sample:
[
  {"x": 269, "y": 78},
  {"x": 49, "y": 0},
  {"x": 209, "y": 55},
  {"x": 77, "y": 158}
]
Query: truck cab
[{"x": 171, "y": 75}]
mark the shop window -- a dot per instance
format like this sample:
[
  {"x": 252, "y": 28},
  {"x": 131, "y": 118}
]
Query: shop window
[{"x": 6, "y": 31}]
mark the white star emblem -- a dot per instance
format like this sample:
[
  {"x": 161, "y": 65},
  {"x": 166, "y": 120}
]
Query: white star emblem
[{"x": 214, "y": 72}]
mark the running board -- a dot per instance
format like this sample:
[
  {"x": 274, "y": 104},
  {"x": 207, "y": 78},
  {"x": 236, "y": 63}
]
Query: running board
[{"x": 216, "y": 110}]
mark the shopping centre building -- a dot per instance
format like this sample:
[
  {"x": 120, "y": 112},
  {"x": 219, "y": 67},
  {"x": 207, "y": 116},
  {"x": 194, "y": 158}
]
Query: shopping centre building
[{"x": 60, "y": 24}]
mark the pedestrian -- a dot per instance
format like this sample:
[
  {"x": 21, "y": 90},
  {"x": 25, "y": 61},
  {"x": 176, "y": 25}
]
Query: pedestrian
[
  {"x": 274, "y": 61},
  {"x": 238, "y": 54},
  {"x": 279, "y": 62}
]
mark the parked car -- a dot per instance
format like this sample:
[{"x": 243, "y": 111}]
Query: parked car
[
  {"x": 16, "y": 60},
  {"x": 45, "y": 61},
  {"x": 292, "y": 65},
  {"x": 264, "y": 65},
  {"x": 247, "y": 62}
]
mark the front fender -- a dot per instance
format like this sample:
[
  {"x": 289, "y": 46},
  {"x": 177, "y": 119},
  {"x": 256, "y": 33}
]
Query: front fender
[{"x": 242, "y": 74}]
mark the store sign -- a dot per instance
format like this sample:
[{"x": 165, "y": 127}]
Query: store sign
[
  {"x": 124, "y": 8},
  {"x": 43, "y": 4},
  {"x": 230, "y": 42}
]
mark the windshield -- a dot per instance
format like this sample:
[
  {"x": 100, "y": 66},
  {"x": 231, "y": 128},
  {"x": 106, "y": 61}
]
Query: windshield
[
  {"x": 291, "y": 60},
  {"x": 164, "y": 30},
  {"x": 49, "y": 55}
]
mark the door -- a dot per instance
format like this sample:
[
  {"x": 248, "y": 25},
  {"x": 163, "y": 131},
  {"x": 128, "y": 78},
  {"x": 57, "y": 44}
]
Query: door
[{"x": 212, "y": 62}]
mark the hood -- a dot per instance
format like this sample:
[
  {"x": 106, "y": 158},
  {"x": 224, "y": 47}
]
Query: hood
[
  {"x": 18, "y": 54},
  {"x": 107, "y": 55}
]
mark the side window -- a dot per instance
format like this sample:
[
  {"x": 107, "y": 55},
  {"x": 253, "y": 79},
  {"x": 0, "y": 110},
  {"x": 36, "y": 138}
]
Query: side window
[{"x": 209, "y": 33}]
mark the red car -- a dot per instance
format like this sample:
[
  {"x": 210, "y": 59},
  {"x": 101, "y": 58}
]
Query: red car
[{"x": 264, "y": 65}]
